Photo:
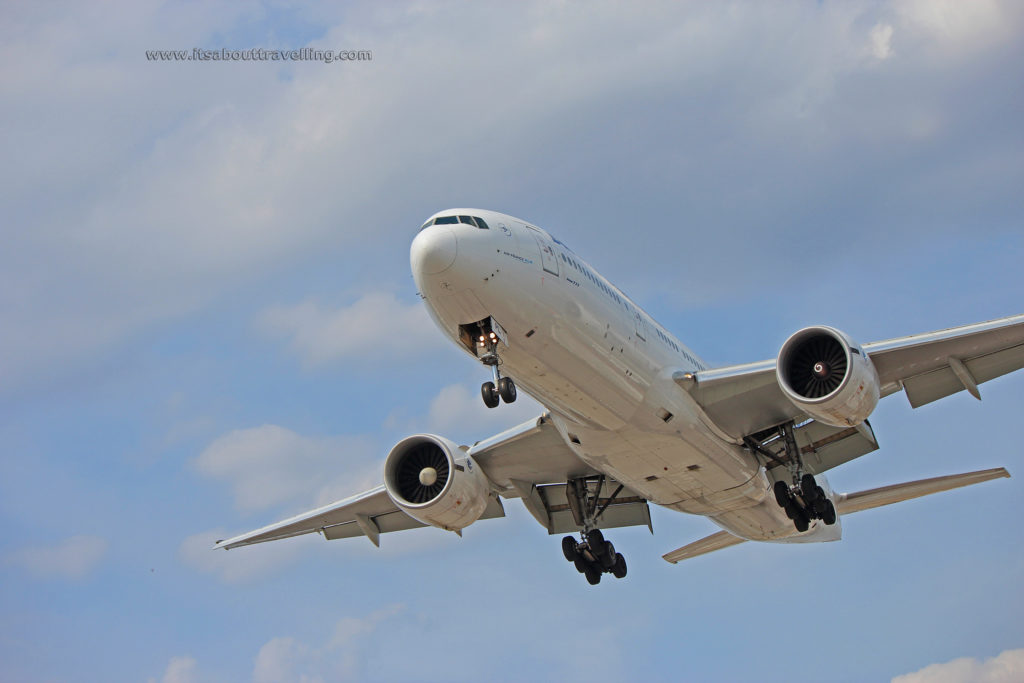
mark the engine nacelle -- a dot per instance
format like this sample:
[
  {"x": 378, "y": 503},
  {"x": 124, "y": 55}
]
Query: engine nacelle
[
  {"x": 433, "y": 481},
  {"x": 828, "y": 376}
]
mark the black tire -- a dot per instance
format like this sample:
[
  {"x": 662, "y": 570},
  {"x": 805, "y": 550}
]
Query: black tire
[
  {"x": 490, "y": 394},
  {"x": 595, "y": 539},
  {"x": 619, "y": 568},
  {"x": 829, "y": 516},
  {"x": 608, "y": 556},
  {"x": 569, "y": 548},
  {"x": 581, "y": 564},
  {"x": 809, "y": 488},
  {"x": 507, "y": 389},
  {"x": 801, "y": 523},
  {"x": 820, "y": 506},
  {"x": 792, "y": 511},
  {"x": 593, "y": 575},
  {"x": 781, "y": 489}
]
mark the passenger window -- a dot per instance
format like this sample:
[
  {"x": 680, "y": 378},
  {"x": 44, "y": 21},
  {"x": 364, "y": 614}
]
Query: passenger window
[
  {"x": 481, "y": 224},
  {"x": 446, "y": 220}
]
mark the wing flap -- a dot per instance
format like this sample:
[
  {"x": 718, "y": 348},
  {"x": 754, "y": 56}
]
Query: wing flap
[
  {"x": 823, "y": 447},
  {"x": 372, "y": 504},
  {"x": 625, "y": 510},
  {"x": 941, "y": 382}
]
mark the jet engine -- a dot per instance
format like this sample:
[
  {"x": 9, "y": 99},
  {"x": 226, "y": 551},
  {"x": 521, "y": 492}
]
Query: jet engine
[
  {"x": 828, "y": 376},
  {"x": 432, "y": 480}
]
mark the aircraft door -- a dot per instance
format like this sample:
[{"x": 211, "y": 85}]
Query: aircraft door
[
  {"x": 641, "y": 324},
  {"x": 548, "y": 259}
]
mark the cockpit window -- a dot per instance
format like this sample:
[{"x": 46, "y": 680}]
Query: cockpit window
[
  {"x": 446, "y": 220},
  {"x": 426, "y": 225},
  {"x": 468, "y": 220},
  {"x": 480, "y": 223}
]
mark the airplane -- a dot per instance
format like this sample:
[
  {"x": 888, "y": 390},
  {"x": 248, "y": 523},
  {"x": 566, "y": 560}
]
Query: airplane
[{"x": 634, "y": 417}]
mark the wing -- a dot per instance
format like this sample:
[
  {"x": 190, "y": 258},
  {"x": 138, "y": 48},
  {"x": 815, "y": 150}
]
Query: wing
[
  {"x": 931, "y": 366},
  {"x": 530, "y": 461},
  {"x": 745, "y": 399},
  {"x": 533, "y": 462},
  {"x": 851, "y": 502},
  {"x": 368, "y": 514}
]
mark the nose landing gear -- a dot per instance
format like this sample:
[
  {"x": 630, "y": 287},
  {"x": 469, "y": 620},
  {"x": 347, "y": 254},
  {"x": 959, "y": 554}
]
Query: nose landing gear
[{"x": 502, "y": 388}]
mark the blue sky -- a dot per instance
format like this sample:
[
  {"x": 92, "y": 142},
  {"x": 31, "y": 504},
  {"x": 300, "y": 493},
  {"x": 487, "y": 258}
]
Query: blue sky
[{"x": 199, "y": 259}]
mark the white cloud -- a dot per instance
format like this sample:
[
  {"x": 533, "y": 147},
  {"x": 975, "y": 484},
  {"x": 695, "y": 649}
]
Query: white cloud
[
  {"x": 180, "y": 670},
  {"x": 339, "y": 659},
  {"x": 270, "y": 465},
  {"x": 147, "y": 190},
  {"x": 880, "y": 41},
  {"x": 376, "y": 326},
  {"x": 1007, "y": 667},
  {"x": 955, "y": 26},
  {"x": 457, "y": 409},
  {"x": 72, "y": 558}
]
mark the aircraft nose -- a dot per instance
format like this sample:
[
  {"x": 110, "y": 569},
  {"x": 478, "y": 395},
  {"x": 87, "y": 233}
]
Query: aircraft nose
[{"x": 434, "y": 250}]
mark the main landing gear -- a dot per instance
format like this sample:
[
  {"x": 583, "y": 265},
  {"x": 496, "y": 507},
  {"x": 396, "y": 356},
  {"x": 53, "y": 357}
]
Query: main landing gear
[
  {"x": 592, "y": 555},
  {"x": 804, "y": 500},
  {"x": 502, "y": 388}
]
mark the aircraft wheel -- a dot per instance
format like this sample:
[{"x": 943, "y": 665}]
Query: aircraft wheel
[
  {"x": 507, "y": 389},
  {"x": 593, "y": 575},
  {"x": 490, "y": 394},
  {"x": 809, "y": 487},
  {"x": 781, "y": 493},
  {"x": 608, "y": 556},
  {"x": 619, "y": 568},
  {"x": 792, "y": 511},
  {"x": 596, "y": 541},
  {"x": 569, "y": 548},
  {"x": 581, "y": 564},
  {"x": 820, "y": 506},
  {"x": 801, "y": 523},
  {"x": 829, "y": 516}
]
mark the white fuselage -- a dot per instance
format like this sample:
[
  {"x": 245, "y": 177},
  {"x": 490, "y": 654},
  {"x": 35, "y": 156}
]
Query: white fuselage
[{"x": 600, "y": 364}]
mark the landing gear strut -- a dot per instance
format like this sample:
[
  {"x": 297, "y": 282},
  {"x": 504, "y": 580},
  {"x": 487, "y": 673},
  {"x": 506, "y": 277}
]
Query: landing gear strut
[
  {"x": 502, "y": 388},
  {"x": 592, "y": 555},
  {"x": 804, "y": 500}
]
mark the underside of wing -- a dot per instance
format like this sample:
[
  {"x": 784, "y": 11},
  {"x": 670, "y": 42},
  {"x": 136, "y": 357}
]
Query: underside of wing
[
  {"x": 368, "y": 513},
  {"x": 534, "y": 463},
  {"x": 531, "y": 461},
  {"x": 934, "y": 365},
  {"x": 745, "y": 400}
]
